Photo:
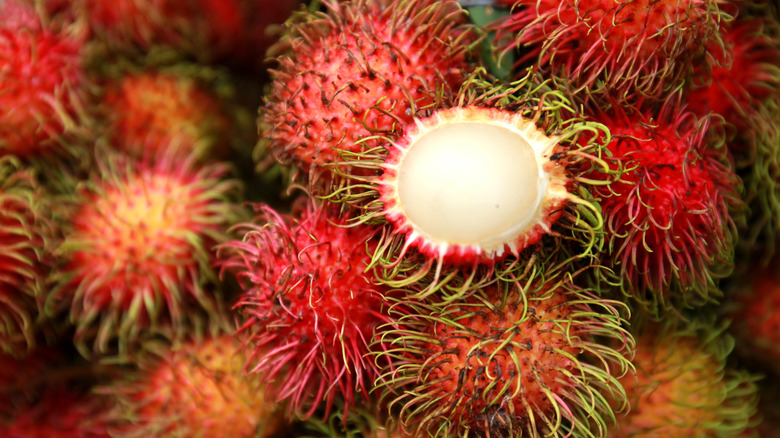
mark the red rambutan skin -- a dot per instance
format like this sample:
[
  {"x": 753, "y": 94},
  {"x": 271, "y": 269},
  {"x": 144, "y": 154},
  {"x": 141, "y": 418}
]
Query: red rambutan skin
[
  {"x": 196, "y": 390},
  {"x": 61, "y": 413},
  {"x": 505, "y": 362},
  {"x": 756, "y": 317},
  {"x": 152, "y": 113},
  {"x": 23, "y": 263},
  {"x": 683, "y": 388},
  {"x": 363, "y": 68},
  {"x": 211, "y": 30},
  {"x": 141, "y": 241},
  {"x": 669, "y": 217},
  {"x": 742, "y": 80},
  {"x": 625, "y": 49},
  {"x": 41, "y": 82},
  {"x": 309, "y": 308}
]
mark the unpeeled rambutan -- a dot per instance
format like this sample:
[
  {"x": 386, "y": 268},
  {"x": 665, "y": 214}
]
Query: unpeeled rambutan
[
  {"x": 309, "y": 307},
  {"x": 669, "y": 219},
  {"x": 530, "y": 357},
  {"x": 60, "y": 412},
  {"x": 231, "y": 31},
  {"x": 138, "y": 251},
  {"x": 42, "y": 83},
  {"x": 197, "y": 389},
  {"x": 153, "y": 112},
  {"x": 363, "y": 68},
  {"x": 23, "y": 254},
  {"x": 621, "y": 49},
  {"x": 754, "y": 308},
  {"x": 683, "y": 387},
  {"x": 742, "y": 80}
]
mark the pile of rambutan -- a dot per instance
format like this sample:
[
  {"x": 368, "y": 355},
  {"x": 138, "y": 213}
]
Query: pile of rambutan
[{"x": 389, "y": 218}]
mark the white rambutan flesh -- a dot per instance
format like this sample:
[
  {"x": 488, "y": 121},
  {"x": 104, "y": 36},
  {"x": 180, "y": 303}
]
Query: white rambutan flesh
[{"x": 473, "y": 181}]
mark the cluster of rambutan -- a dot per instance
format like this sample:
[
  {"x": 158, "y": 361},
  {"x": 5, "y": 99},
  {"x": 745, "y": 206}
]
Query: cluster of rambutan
[{"x": 449, "y": 218}]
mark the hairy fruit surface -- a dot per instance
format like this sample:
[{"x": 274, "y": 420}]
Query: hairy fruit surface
[
  {"x": 363, "y": 68},
  {"x": 309, "y": 308}
]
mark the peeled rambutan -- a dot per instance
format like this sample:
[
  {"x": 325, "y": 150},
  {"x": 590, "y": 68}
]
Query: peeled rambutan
[
  {"x": 42, "y": 83},
  {"x": 363, "y": 68},
  {"x": 23, "y": 254},
  {"x": 670, "y": 219},
  {"x": 153, "y": 112},
  {"x": 683, "y": 386},
  {"x": 197, "y": 389},
  {"x": 623, "y": 49},
  {"x": 478, "y": 181},
  {"x": 137, "y": 253},
  {"x": 309, "y": 308},
  {"x": 524, "y": 358}
]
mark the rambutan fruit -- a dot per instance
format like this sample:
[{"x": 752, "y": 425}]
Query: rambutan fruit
[
  {"x": 137, "y": 254},
  {"x": 61, "y": 412},
  {"x": 620, "y": 49},
  {"x": 683, "y": 386},
  {"x": 670, "y": 219},
  {"x": 475, "y": 182},
  {"x": 197, "y": 389},
  {"x": 535, "y": 357},
  {"x": 309, "y": 308},
  {"x": 23, "y": 254},
  {"x": 740, "y": 81},
  {"x": 207, "y": 30},
  {"x": 754, "y": 308},
  {"x": 363, "y": 68},
  {"x": 155, "y": 112},
  {"x": 42, "y": 83}
]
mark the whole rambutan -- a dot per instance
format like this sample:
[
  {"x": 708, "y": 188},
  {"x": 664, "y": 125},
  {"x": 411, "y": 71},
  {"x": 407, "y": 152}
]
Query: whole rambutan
[
  {"x": 741, "y": 80},
  {"x": 61, "y": 412},
  {"x": 622, "y": 49},
  {"x": 670, "y": 219},
  {"x": 137, "y": 253},
  {"x": 363, "y": 68},
  {"x": 309, "y": 308},
  {"x": 754, "y": 308},
  {"x": 478, "y": 181},
  {"x": 530, "y": 357},
  {"x": 197, "y": 389},
  {"x": 152, "y": 112},
  {"x": 207, "y": 30},
  {"x": 42, "y": 83},
  {"x": 23, "y": 254},
  {"x": 683, "y": 387}
]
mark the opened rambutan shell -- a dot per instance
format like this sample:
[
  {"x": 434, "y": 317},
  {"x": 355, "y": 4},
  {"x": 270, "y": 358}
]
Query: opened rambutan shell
[
  {"x": 137, "y": 254},
  {"x": 683, "y": 387},
  {"x": 363, "y": 68},
  {"x": 670, "y": 218},
  {"x": 512, "y": 359},
  {"x": 622, "y": 50},
  {"x": 198, "y": 389},
  {"x": 155, "y": 112},
  {"x": 309, "y": 308},
  {"x": 42, "y": 83}
]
